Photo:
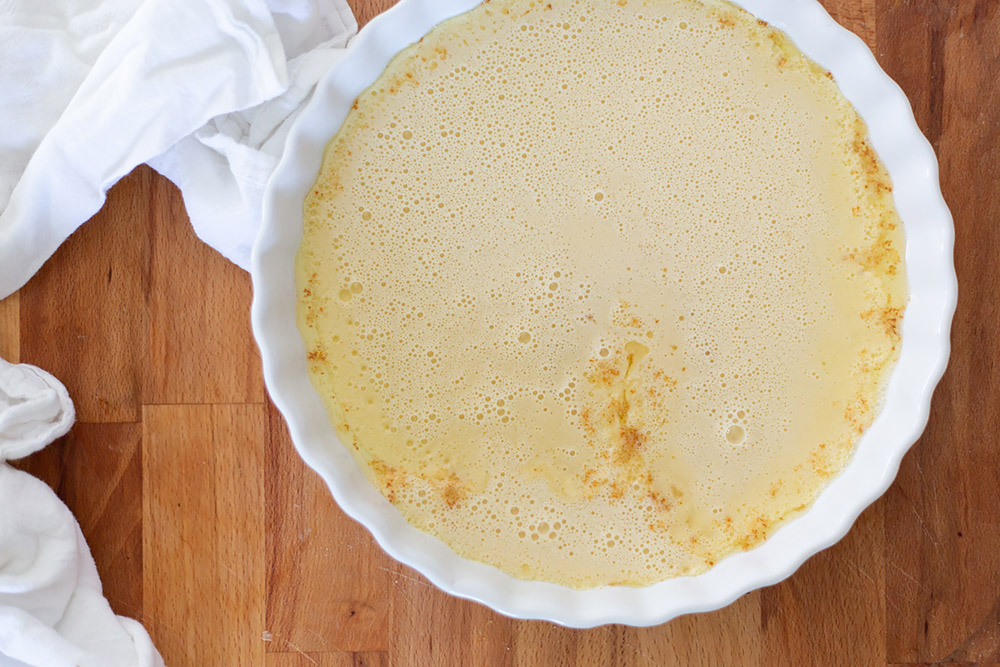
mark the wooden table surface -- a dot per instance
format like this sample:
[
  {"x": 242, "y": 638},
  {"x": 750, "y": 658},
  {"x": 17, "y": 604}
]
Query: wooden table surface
[{"x": 207, "y": 527}]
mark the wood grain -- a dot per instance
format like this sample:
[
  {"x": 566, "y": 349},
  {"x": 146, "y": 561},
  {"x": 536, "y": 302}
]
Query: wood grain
[
  {"x": 195, "y": 357},
  {"x": 431, "y": 628},
  {"x": 310, "y": 540},
  {"x": 338, "y": 659},
  {"x": 730, "y": 636},
  {"x": 85, "y": 321},
  {"x": 97, "y": 471},
  {"x": 10, "y": 328},
  {"x": 942, "y": 536},
  {"x": 847, "y": 619},
  {"x": 207, "y": 526},
  {"x": 203, "y": 534}
]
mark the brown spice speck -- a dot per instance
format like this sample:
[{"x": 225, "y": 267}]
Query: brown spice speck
[
  {"x": 888, "y": 318},
  {"x": 632, "y": 441},
  {"x": 605, "y": 375},
  {"x": 452, "y": 490},
  {"x": 662, "y": 503},
  {"x": 389, "y": 479},
  {"x": 587, "y": 422}
]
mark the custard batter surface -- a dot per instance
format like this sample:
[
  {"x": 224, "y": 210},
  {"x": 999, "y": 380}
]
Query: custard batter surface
[{"x": 601, "y": 292}]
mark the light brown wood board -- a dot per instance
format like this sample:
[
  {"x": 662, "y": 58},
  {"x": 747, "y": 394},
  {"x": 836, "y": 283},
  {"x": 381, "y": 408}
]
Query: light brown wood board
[{"x": 207, "y": 527}]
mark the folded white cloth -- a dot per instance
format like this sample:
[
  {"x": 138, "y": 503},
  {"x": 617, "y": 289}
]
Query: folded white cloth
[
  {"x": 52, "y": 611},
  {"x": 203, "y": 90},
  {"x": 223, "y": 167},
  {"x": 34, "y": 410}
]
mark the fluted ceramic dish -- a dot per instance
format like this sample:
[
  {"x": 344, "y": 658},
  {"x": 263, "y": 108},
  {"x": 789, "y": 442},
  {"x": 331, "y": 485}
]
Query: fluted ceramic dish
[{"x": 925, "y": 336}]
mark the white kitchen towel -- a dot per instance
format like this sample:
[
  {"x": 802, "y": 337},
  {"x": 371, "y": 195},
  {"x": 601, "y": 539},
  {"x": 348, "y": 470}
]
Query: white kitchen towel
[
  {"x": 52, "y": 610},
  {"x": 202, "y": 88}
]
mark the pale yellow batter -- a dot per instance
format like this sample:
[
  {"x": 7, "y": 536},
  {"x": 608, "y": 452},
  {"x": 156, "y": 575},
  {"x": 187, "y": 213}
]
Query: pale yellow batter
[{"x": 601, "y": 291}]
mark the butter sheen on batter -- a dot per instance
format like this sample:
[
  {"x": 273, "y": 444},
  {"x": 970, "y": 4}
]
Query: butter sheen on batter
[{"x": 601, "y": 292}]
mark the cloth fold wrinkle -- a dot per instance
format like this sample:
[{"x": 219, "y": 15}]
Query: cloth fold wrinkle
[
  {"x": 34, "y": 410},
  {"x": 52, "y": 609},
  {"x": 164, "y": 73},
  {"x": 223, "y": 168}
]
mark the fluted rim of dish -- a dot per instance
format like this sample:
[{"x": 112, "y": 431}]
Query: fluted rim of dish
[{"x": 929, "y": 231}]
